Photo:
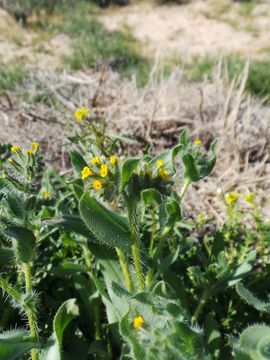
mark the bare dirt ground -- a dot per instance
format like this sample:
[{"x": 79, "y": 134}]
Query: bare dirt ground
[
  {"x": 29, "y": 46},
  {"x": 199, "y": 28}
]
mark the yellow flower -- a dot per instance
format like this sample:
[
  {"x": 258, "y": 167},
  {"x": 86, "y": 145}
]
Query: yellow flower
[
  {"x": 231, "y": 198},
  {"x": 249, "y": 197},
  {"x": 46, "y": 195},
  {"x": 104, "y": 170},
  {"x": 15, "y": 148},
  {"x": 86, "y": 172},
  {"x": 97, "y": 185},
  {"x": 81, "y": 114},
  {"x": 29, "y": 152},
  {"x": 197, "y": 142},
  {"x": 113, "y": 160},
  {"x": 96, "y": 160},
  {"x": 160, "y": 163},
  {"x": 35, "y": 145},
  {"x": 201, "y": 219},
  {"x": 138, "y": 322},
  {"x": 164, "y": 174}
]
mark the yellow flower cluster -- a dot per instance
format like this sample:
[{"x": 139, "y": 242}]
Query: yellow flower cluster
[
  {"x": 15, "y": 148},
  {"x": 160, "y": 163},
  {"x": 46, "y": 195},
  {"x": 29, "y": 152},
  {"x": 34, "y": 147},
  {"x": 81, "y": 114},
  {"x": 231, "y": 198},
  {"x": 113, "y": 160},
  {"x": 163, "y": 173},
  {"x": 138, "y": 322},
  {"x": 201, "y": 218},
  {"x": 97, "y": 185},
  {"x": 86, "y": 172},
  {"x": 250, "y": 197},
  {"x": 197, "y": 142},
  {"x": 96, "y": 160},
  {"x": 103, "y": 170}
]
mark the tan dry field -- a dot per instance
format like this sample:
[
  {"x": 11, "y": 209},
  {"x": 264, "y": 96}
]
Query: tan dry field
[
  {"x": 157, "y": 113},
  {"x": 199, "y": 28}
]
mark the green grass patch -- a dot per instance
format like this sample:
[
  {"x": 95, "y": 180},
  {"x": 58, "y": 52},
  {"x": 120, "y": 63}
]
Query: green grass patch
[
  {"x": 259, "y": 75},
  {"x": 10, "y": 76},
  {"x": 246, "y": 8},
  {"x": 94, "y": 45}
]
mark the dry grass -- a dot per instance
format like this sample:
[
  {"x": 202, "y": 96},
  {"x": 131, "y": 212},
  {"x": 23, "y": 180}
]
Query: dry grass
[{"x": 155, "y": 114}]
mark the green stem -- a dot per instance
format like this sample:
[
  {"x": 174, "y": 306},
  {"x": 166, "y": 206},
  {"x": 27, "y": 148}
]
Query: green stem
[
  {"x": 135, "y": 237},
  {"x": 30, "y": 315},
  {"x": 88, "y": 260},
  {"x": 87, "y": 256},
  {"x": 184, "y": 188},
  {"x": 201, "y": 304},
  {"x": 138, "y": 266},
  {"x": 125, "y": 269},
  {"x": 162, "y": 238}
]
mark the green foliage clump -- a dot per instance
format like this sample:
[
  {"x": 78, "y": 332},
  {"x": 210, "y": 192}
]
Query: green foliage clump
[
  {"x": 94, "y": 46},
  {"x": 10, "y": 76}
]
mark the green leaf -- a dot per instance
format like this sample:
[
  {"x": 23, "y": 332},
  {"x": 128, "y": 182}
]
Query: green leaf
[
  {"x": 218, "y": 244},
  {"x": 198, "y": 164},
  {"x": 244, "y": 268},
  {"x": 212, "y": 333},
  {"x": 75, "y": 224},
  {"x": 68, "y": 268},
  {"x": 14, "y": 343},
  {"x": 128, "y": 167},
  {"x": 184, "y": 139},
  {"x": 251, "y": 299},
  {"x": 108, "y": 227},
  {"x": 6, "y": 255},
  {"x": 255, "y": 341},
  {"x": 78, "y": 188},
  {"x": 16, "y": 205},
  {"x": 151, "y": 195},
  {"x": 78, "y": 162},
  {"x": 66, "y": 313},
  {"x": 25, "y": 242},
  {"x": 191, "y": 172}
]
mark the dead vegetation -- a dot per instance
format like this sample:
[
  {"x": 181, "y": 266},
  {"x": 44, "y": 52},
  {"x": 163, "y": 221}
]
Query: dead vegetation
[{"x": 155, "y": 114}]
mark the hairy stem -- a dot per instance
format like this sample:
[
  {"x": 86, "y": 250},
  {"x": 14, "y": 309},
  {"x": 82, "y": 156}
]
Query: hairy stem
[
  {"x": 135, "y": 237},
  {"x": 125, "y": 269},
  {"x": 88, "y": 260},
  {"x": 184, "y": 188},
  {"x": 30, "y": 315},
  {"x": 201, "y": 304},
  {"x": 162, "y": 239}
]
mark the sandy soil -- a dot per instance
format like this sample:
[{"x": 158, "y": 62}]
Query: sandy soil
[
  {"x": 216, "y": 27},
  {"x": 31, "y": 47}
]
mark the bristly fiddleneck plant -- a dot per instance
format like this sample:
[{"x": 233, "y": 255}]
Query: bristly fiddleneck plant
[
  {"x": 114, "y": 194},
  {"x": 19, "y": 229}
]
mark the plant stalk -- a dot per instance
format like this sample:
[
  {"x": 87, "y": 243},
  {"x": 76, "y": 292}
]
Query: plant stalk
[
  {"x": 125, "y": 269},
  {"x": 201, "y": 304},
  {"x": 88, "y": 260},
  {"x": 184, "y": 188},
  {"x": 26, "y": 268}
]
